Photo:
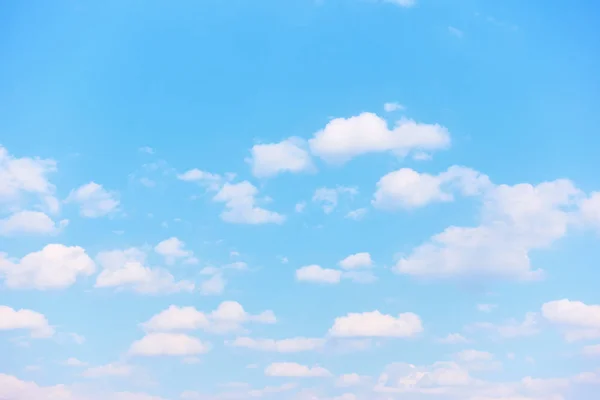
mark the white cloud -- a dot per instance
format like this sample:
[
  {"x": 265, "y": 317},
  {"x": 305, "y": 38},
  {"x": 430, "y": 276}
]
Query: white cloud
[
  {"x": 356, "y": 261},
  {"x": 290, "y": 155},
  {"x": 29, "y": 222},
  {"x": 453, "y": 338},
  {"x": 300, "y": 206},
  {"x": 317, "y": 274},
  {"x": 126, "y": 269},
  {"x": 376, "y": 324},
  {"x": 515, "y": 220},
  {"x": 108, "y": 370},
  {"x": 172, "y": 249},
  {"x": 357, "y": 214},
  {"x": 393, "y": 106},
  {"x": 407, "y": 188},
  {"x": 476, "y": 360},
  {"x": 24, "y": 176},
  {"x": 590, "y": 209},
  {"x": 54, "y": 267},
  {"x": 213, "y": 286},
  {"x": 591, "y": 350},
  {"x": 511, "y": 328},
  {"x": 486, "y": 307},
  {"x": 240, "y": 205},
  {"x": 292, "y": 345},
  {"x": 293, "y": 370},
  {"x": 94, "y": 201},
  {"x": 343, "y": 139},
  {"x": 328, "y": 198},
  {"x": 34, "y": 322},
  {"x": 577, "y": 320},
  {"x": 73, "y": 362},
  {"x": 168, "y": 344},
  {"x": 207, "y": 179},
  {"x": 349, "y": 380},
  {"x": 229, "y": 316}
]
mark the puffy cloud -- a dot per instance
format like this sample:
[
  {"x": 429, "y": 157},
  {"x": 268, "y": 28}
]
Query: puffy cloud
[
  {"x": 355, "y": 261},
  {"x": 214, "y": 285},
  {"x": 108, "y": 370},
  {"x": 229, "y": 316},
  {"x": 126, "y": 269},
  {"x": 293, "y": 370},
  {"x": 290, "y": 155},
  {"x": 407, "y": 188},
  {"x": 328, "y": 197},
  {"x": 34, "y": 322},
  {"x": 292, "y": 345},
  {"x": 590, "y": 210},
  {"x": 94, "y": 201},
  {"x": 317, "y": 274},
  {"x": 167, "y": 344},
  {"x": 240, "y": 205},
  {"x": 172, "y": 249},
  {"x": 29, "y": 222},
  {"x": 393, "y": 106},
  {"x": 54, "y": 267},
  {"x": 577, "y": 319},
  {"x": 345, "y": 138},
  {"x": 515, "y": 220},
  {"x": 207, "y": 179},
  {"x": 376, "y": 324}
]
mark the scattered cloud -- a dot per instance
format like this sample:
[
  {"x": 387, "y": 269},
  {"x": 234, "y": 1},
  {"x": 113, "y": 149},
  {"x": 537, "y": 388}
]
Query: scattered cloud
[
  {"x": 94, "y": 201},
  {"x": 241, "y": 208},
  {"x": 376, "y": 324},
  {"x": 356, "y": 261},
  {"x": 290, "y": 155},
  {"x": 30, "y": 222},
  {"x": 292, "y": 345},
  {"x": 577, "y": 320},
  {"x": 34, "y": 322},
  {"x": 328, "y": 197},
  {"x": 167, "y": 344},
  {"x": 294, "y": 370}
]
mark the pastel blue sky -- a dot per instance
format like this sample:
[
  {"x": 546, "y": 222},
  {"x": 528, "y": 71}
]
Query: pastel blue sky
[{"x": 325, "y": 200}]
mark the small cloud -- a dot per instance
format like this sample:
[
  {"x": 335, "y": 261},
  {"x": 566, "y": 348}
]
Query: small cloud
[
  {"x": 357, "y": 214},
  {"x": 391, "y": 107}
]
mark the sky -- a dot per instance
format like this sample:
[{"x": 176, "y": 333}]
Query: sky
[{"x": 303, "y": 200}]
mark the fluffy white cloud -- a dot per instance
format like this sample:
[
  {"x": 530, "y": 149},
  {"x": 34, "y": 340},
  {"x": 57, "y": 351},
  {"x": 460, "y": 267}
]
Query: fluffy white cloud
[
  {"x": 376, "y": 324},
  {"x": 271, "y": 159},
  {"x": 515, "y": 220},
  {"x": 355, "y": 261},
  {"x": 167, "y": 344},
  {"x": 25, "y": 176},
  {"x": 292, "y": 345},
  {"x": 590, "y": 209},
  {"x": 407, "y": 188},
  {"x": 29, "y": 222},
  {"x": 240, "y": 205},
  {"x": 213, "y": 286},
  {"x": 328, "y": 197},
  {"x": 54, "y": 267},
  {"x": 209, "y": 180},
  {"x": 345, "y": 138},
  {"x": 577, "y": 320},
  {"x": 94, "y": 201},
  {"x": 126, "y": 269},
  {"x": 317, "y": 274},
  {"x": 172, "y": 249},
  {"x": 293, "y": 370},
  {"x": 229, "y": 316},
  {"x": 108, "y": 370},
  {"x": 32, "y": 321}
]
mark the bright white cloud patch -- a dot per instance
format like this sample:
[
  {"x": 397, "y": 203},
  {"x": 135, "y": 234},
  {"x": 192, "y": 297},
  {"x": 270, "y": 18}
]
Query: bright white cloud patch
[
  {"x": 355, "y": 261},
  {"x": 168, "y": 344},
  {"x": 240, "y": 205},
  {"x": 294, "y": 370},
  {"x": 94, "y": 201},
  {"x": 346, "y": 138},
  {"x": 292, "y": 345},
  {"x": 29, "y": 222},
  {"x": 126, "y": 269},
  {"x": 393, "y": 106},
  {"x": 577, "y": 320},
  {"x": 290, "y": 155},
  {"x": 376, "y": 324},
  {"x": 34, "y": 322},
  {"x": 172, "y": 249},
  {"x": 318, "y": 274},
  {"x": 54, "y": 267}
]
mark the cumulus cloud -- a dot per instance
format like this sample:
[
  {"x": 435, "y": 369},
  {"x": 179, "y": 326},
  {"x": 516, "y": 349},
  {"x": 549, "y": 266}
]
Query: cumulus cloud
[
  {"x": 393, "y": 106},
  {"x": 168, "y": 344},
  {"x": 240, "y": 205},
  {"x": 328, "y": 197},
  {"x": 317, "y": 274},
  {"x": 54, "y": 267},
  {"x": 356, "y": 261},
  {"x": 29, "y": 222},
  {"x": 292, "y": 345},
  {"x": 290, "y": 155},
  {"x": 294, "y": 370},
  {"x": 345, "y": 138},
  {"x": 94, "y": 201},
  {"x": 172, "y": 249},
  {"x": 34, "y": 322},
  {"x": 126, "y": 269},
  {"x": 577, "y": 320},
  {"x": 376, "y": 324},
  {"x": 207, "y": 179},
  {"x": 229, "y": 316}
]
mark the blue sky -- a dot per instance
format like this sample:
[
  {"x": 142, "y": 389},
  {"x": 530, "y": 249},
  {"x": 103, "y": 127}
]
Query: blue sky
[{"x": 330, "y": 200}]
